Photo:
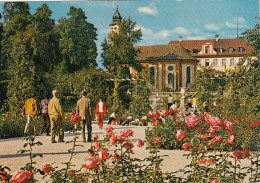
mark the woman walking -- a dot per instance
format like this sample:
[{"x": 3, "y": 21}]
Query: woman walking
[{"x": 101, "y": 110}]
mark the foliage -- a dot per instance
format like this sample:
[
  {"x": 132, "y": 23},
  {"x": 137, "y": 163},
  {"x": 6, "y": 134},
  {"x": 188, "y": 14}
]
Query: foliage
[
  {"x": 140, "y": 103},
  {"x": 253, "y": 37},
  {"x": 119, "y": 50},
  {"x": 77, "y": 40}
]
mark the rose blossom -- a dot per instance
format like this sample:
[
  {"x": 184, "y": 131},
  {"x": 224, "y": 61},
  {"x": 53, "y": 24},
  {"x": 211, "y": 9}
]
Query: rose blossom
[
  {"x": 103, "y": 155},
  {"x": 186, "y": 146},
  {"x": 113, "y": 140},
  {"x": 166, "y": 113},
  {"x": 115, "y": 156},
  {"x": 156, "y": 122},
  {"x": 228, "y": 125},
  {"x": 128, "y": 145},
  {"x": 46, "y": 168},
  {"x": 71, "y": 172},
  {"x": 127, "y": 133},
  {"x": 91, "y": 163},
  {"x": 110, "y": 134},
  {"x": 157, "y": 141},
  {"x": 22, "y": 176},
  {"x": 109, "y": 129},
  {"x": 97, "y": 146},
  {"x": 181, "y": 134},
  {"x": 215, "y": 140},
  {"x": 214, "y": 122},
  {"x": 214, "y": 181},
  {"x": 4, "y": 175},
  {"x": 95, "y": 137},
  {"x": 139, "y": 143},
  {"x": 245, "y": 153},
  {"x": 191, "y": 120},
  {"x": 231, "y": 140}
]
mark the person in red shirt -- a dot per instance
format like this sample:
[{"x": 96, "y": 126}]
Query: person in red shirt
[{"x": 101, "y": 110}]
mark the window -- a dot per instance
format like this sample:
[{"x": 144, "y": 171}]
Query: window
[
  {"x": 188, "y": 76},
  {"x": 230, "y": 50},
  {"x": 215, "y": 63},
  {"x": 241, "y": 49},
  {"x": 170, "y": 78},
  {"x": 195, "y": 51},
  {"x": 207, "y": 49},
  {"x": 170, "y": 68},
  {"x": 152, "y": 75},
  {"x": 232, "y": 62},
  {"x": 223, "y": 62},
  {"x": 220, "y": 50},
  {"x": 207, "y": 62}
]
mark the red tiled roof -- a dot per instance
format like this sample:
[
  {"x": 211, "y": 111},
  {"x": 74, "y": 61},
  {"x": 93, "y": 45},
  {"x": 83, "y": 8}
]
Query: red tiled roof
[
  {"x": 221, "y": 43},
  {"x": 162, "y": 52}
]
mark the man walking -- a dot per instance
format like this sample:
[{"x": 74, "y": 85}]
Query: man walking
[
  {"x": 56, "y": 114},
  {"x": 30, "y": 110},
  {"x": 84, "y": 109}
]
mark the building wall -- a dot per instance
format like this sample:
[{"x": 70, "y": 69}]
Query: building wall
[
  {"x": 179, "y": 73},
  {"x": 219, "y": 62}
]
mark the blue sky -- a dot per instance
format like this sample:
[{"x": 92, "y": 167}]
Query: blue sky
[{"x": 164, "y": 20}]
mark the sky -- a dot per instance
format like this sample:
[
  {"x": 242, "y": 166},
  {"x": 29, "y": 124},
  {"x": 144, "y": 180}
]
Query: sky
[{"x": 164, "y": 20}]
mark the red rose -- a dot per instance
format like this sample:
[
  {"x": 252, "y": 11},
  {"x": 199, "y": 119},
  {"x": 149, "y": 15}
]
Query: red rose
[
  {"x": 238, "y": 118},
  {"x": 110, "y": 134},
  {"x": 75, "y": 118},
  {"x": 95, "y": 137},
  {"x": 97, "y": 146},
  {"x": 71, "y": 172},
  {"x": 109, "y": 129},
  {"x": 191, "y": 120},
  {"x": 181, "y": 134},
  {"x": 103, "y": 155},
  {"x": 113, "y": 140},
  {"x": 214, "y": 181},
  {"x": 200, "y": 129},
  {"x": 186, "y": 146},
  {"x": 166, "y": 113},
  {"x": 128, "y": 145},
  {"x": 4, "y": 175},
  {"x": 256, "y": 122},
  {"x": 215, "y": 140},
  {"x": 46, "y": 168},
  {"x": 250, "y": 126},
  {"x": 231, "y": 119},
  {"x": 231, "y": 140},
  {"x": 91, "y": 163},
  {"x": 22, "y": 176},
  {"x": 228, "y": 125},
  {"x": 84, "y": 112},
  {"x": 127, "y": 133},
  {"x": 176, "y": 111},
  {"x": 115, "y": 156},
  {"x": 246, "y": 153},
  {"x": 158, "y": 114},
  {"x": 157, "y": 141},
  {"x": 237, "y": 154},
  {"x": 171, "y": 111},
  {"x": 139, "y": 143}
]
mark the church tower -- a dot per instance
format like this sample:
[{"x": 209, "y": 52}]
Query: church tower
[{"x": 116, "y": 19}]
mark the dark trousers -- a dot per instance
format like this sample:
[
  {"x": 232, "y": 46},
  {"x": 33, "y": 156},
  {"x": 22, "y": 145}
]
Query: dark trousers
[
  {"x": 110, "y": 120},
  {"x": 169, "y": 105}
]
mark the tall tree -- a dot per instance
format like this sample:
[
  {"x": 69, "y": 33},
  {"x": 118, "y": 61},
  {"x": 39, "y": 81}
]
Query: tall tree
[
  {"x": 77, "y": 41},
  {"x": 253, "y": 37},
  {"x": 119, "y": 50}
]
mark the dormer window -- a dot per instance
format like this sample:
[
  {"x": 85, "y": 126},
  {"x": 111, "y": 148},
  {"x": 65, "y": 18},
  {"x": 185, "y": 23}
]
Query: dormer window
[
  {"x": 115, "y": 28},
  {"x": 230, "y": 50},
  {"x": 195, "y": 51},
  {"x": 241, "y": 49},
  {"x": 207, "y": 49},
  {"x": 220, "y": 50}
]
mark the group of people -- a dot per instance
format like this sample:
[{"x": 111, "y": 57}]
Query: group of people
[{"x": 53, "y": 115}]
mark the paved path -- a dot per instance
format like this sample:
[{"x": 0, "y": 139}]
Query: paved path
[{"x": 58, "y": 152}]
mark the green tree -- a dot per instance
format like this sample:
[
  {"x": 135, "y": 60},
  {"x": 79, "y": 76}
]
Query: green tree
[
  {"x": 77, "y": 41},
  {"x": 253, "y": 37},
  {"x": 119, "y": 53},
  {"x": 141, "y": 93}
]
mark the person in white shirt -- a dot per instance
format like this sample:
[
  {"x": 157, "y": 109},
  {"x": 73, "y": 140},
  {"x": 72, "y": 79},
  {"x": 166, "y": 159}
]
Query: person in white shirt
[
  {"x": 101, "y": 110},
  {"x": 169, "y": 101},
  {"x": 174, "y": 106}
]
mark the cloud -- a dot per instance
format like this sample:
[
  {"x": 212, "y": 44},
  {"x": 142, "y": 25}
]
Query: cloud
[
  {"x": 145, "y": 31},
  {"x": 212, "y": 27},
  {"x": 238, "y": 20},
  {"x": 181, "y": 30},
  {"x": 148, "y": 10},
  {"x": 241, "y": 20},
  {"x": 234, "y": 25},
  {"x": 196, "y": 38}
]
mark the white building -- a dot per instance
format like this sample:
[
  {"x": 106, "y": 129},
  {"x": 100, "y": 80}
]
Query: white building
[{"x": 220, "y": 54}]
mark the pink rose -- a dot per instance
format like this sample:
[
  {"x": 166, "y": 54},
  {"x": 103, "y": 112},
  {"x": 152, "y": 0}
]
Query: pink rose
[
  {"x": 91, "y": 163},
  {"x": 181, "y": 134},
  {"x": 231, "y": 140},
  {"x": 139, "y": 143},
  {"x": 186, "y": 146},
  {"x": 191, "y": 120}
]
